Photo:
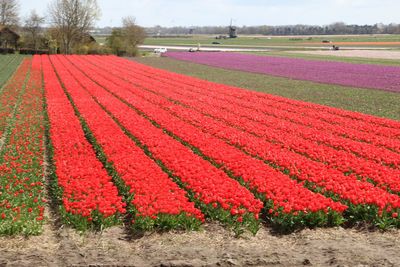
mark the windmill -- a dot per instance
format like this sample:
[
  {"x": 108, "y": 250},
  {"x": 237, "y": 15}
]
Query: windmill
[{"x": 232, "y": 31}]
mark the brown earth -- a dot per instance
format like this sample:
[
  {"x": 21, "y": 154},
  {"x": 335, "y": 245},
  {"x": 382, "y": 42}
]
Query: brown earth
[
  {"x": 212, "y": 246},
  {"x": 354, "y": 53}
]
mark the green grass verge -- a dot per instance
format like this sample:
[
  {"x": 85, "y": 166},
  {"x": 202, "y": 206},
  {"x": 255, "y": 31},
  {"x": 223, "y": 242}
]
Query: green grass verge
[
  {"x": 357, "y": 60},
  {"x": 368, "y": 101},
  {"x": 8, "y": 65}
]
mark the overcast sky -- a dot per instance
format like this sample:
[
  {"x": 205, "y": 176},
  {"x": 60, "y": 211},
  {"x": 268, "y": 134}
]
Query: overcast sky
[{"x": 243, "y": 12}]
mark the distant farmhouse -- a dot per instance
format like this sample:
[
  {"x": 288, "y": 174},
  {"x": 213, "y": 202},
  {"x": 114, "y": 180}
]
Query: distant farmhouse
[
  {"x": 8, "y": 38},
  {"x": 88, "y": 39}
]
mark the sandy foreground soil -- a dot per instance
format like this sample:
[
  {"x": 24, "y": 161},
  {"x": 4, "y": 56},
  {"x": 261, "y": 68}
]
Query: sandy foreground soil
[
  {"x": 212, "y": 246},
  {"x": 355, "y": 53}
]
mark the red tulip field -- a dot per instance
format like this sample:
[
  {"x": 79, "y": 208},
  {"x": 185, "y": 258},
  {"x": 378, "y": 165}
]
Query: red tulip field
[
  {"x": 91, "y": 144},
  {"x": 168, "y": 151},
  {"x": 125, "y": 143}
]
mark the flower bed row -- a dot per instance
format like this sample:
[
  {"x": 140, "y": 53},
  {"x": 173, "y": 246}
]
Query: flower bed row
[
  {"x": 21, "y": 185},
  {"x": 10, "y": 94},
  {"x": 219, "y": 196},
  {"x": 156, "y": 200},
  {"x": 87, "y": 196},
  {"x": 347, "y": 187},
  {"x": 290, "y": 200}
]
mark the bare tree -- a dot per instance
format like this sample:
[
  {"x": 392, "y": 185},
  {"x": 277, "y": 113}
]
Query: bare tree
[
  {"x": 134, "y": 34},
  {"x": 9, "y": 12},
  {"x": 33, "y": 25},
  {"x": 73, "y": 19}
]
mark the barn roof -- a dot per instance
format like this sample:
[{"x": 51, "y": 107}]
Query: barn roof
[
  {"x": 89, "y": 38},
  {"x": 8, "y": 30}
]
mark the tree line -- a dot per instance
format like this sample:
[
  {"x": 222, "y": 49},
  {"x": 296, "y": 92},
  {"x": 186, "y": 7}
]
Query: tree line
[
  {"x": 68, "y": 28},
  {"x": 331, "y": 29}
]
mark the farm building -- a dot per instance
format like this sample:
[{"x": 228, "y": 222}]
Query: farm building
[
  {"x": 8, "y": 38},
  {"x": 88, "y": 39}
]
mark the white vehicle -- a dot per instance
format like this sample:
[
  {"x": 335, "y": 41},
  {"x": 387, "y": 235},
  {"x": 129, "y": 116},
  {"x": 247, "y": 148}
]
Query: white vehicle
[{"x": 160, "y": 50}]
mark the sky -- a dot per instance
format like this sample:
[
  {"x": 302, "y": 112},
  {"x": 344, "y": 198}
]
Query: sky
[{"x": 243, "y": 12}]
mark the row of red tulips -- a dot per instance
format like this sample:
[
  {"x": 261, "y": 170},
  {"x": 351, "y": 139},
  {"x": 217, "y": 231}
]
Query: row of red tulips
[
  {"x": 86, "y": 193},
  {"x": 347, "y": 187}
]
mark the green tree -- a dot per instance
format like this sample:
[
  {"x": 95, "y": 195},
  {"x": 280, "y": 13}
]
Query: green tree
[
  {"x": 116, "y": 43},
  {"x": 124, "y": 41}
]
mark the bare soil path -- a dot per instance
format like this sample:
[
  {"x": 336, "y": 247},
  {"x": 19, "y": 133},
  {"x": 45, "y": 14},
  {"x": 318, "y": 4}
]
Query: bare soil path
[
  {"x": 355, "y": 53},
  {"x": 212, "y": 246}
]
